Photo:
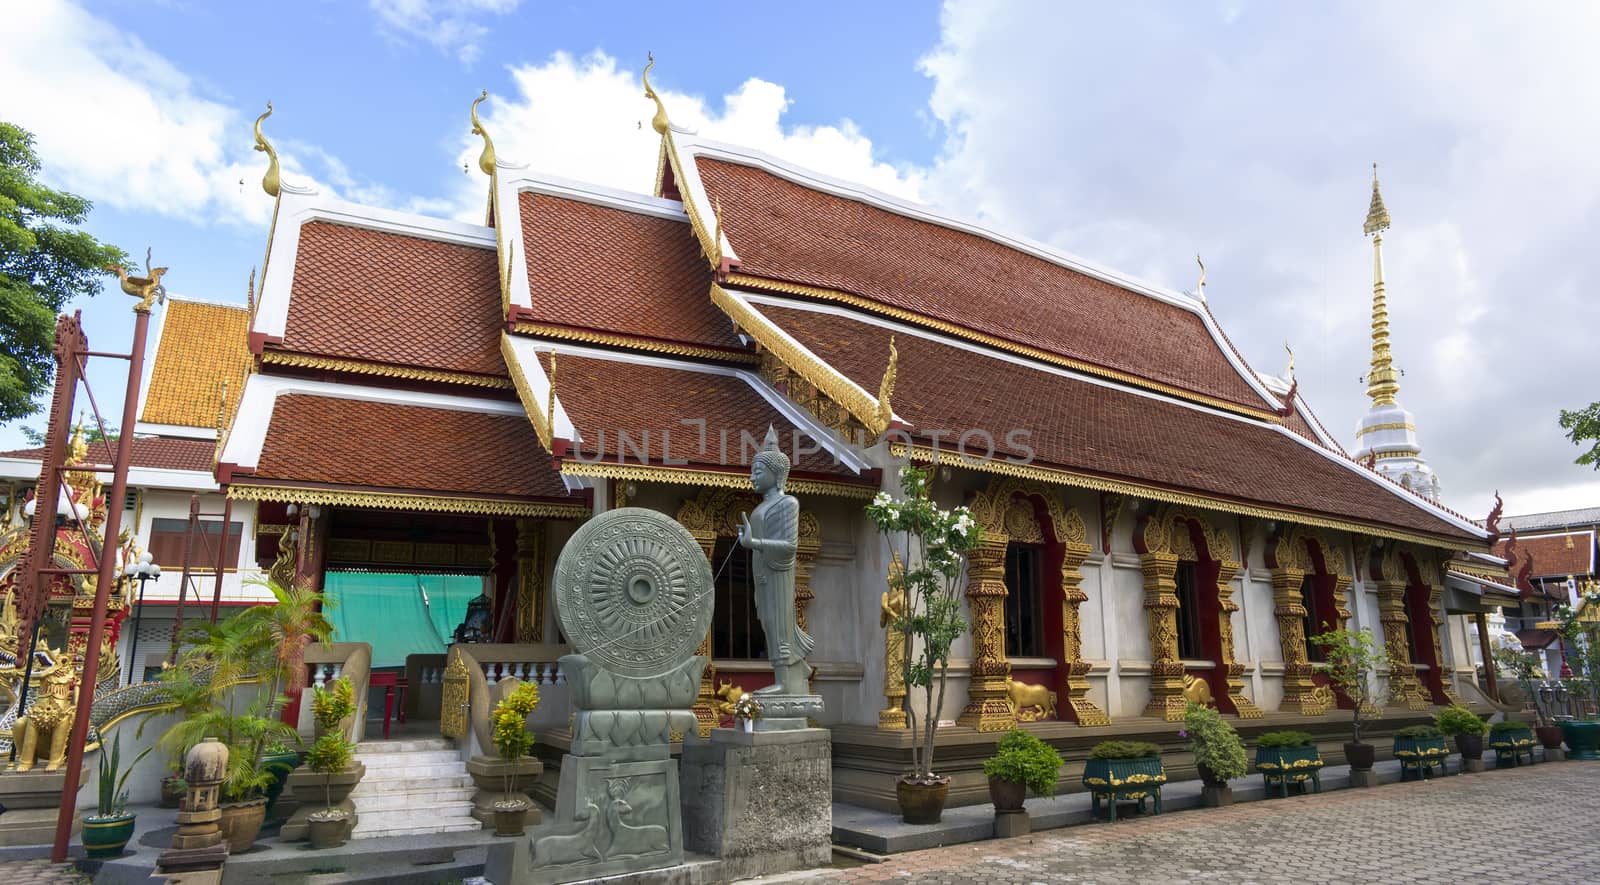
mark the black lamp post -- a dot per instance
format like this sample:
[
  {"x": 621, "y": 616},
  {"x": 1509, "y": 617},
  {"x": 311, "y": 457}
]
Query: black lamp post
[{"x": 144, "y": 570}]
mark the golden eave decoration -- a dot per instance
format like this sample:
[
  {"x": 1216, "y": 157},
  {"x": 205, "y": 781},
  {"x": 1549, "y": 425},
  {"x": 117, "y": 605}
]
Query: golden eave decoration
[
  {"x": 720, "y": 479},
  {"x": 467, "y": 504},
  {"x": 1063, "y": 476},
  {"x": 269, "y": 182}
]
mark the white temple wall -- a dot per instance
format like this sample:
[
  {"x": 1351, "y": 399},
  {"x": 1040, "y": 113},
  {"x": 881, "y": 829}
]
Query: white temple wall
[{"x": 156, "y": 504}]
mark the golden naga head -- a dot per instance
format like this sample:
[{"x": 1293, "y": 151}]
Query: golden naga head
[
  {"x": 659, "y": 122},
  {"x": 486, "y": 160},
  {"x": 269, "y": 182}
]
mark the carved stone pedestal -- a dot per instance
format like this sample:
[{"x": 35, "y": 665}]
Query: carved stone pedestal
[
  {"x": 788, "y": 712},
  {"x": 489, "y": 776},
  {"x": 762, "y": 801},
  {"x": 1011, "y": 823},
  {"x": 1216, "y": 797},
  {"x": 32, "y": 800},
  {"x": 306, "y": 785}
]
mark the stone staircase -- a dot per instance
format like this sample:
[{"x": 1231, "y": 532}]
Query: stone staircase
[{"x": 412, "y": 787}]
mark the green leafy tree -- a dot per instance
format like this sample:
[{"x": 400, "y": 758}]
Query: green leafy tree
[
  {"x": 1583, "y": 426},
  {"x": 1350, "y": 656},
  {"x": 43, "y": 265}
]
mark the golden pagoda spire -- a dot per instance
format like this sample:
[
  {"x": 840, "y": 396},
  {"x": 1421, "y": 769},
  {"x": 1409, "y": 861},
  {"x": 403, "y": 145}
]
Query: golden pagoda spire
[
  {"x": 1383, "y": 381},
  {"x": 485, "y": 159},
  {"x": 269, "y": 182},
  {"x": 659, "y": 122},
  {"x": 886, "y": 388}
]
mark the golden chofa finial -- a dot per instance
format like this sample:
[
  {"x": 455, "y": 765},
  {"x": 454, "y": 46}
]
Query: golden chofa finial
[
  {"x": 1289, "y": 372},
  {"x": 269, "y": 182},
  {"x": 485, "y": 159},
  {"x": 659, "y": 122},
  {"x": 886, "y": 388},
  {"x": 1377, "y": 215},
  {"x": 1200, "y": 287}
]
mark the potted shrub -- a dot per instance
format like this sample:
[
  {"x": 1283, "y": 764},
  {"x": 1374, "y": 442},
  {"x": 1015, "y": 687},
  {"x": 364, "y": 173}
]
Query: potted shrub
[
  {"x": 1466, "y": 727},
  {"x": 1285, "y": 757},
  {"x": 1511, "y": 739},
  {"x": 1581, "y": 633},
  {"x": 1419, "y": 748},
  {"x": 746, "y": 710},
  {"x": 1349, "y": 655},
  {"x": 512, "y": 741},
  {"x": 1218, "y": 751},
  {"x": 108, "y": 830},
  {"x": 1119, "y": 771},
  {"x": 1524, "y": 665},
  {"x": 1021, "y": 763},
  {"x": 330, "y": 755},
  {"x": 933, "y": 545}
]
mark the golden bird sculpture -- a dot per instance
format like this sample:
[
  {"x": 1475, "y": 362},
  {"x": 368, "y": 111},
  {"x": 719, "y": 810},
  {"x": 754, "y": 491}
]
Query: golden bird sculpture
[{"x": 147, "y": 289}]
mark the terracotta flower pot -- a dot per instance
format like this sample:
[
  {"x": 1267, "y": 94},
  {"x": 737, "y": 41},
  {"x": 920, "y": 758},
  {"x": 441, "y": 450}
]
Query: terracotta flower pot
[
  {"x": 1550, "y": 736},
  {"x": 241, "y": 824},
  {"x": 326, "y": 830},
  {"x": 1361, "y": 756},
  {"x": 1007, "y": 795},
  {"x": 1209, "y": 777},
  {"x": 1470, "y": 745},
  {"x": 922, "y": 803}
]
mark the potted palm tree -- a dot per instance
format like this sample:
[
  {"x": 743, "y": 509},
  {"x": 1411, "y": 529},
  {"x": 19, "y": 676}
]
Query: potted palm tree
[
  {"x": 934, "y": 544},
  {"x": 1285, "y": 757},
  {"x": 1121, "y": 771},
  {"x": 1466, "y": 727},
  {"x": 513, "y": 740},
  {"x": 1349, "y": 656},
  {"x": 108, "y": 830},
  {"x": 330, "y": 756},
  {"x": 1218, "y": 752}
]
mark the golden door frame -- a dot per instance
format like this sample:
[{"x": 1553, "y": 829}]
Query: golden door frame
[{"x": 1292, "y": 554}]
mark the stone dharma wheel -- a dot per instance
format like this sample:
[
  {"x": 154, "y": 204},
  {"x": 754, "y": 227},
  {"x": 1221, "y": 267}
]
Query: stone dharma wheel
[{"x": 633, "y": 592}]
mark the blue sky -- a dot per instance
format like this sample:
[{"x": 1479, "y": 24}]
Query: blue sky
[{"x": 1132, "y": 134}]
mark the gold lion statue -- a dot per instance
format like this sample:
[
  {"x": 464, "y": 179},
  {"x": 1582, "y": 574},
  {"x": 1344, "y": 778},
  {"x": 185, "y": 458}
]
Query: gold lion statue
[{"x": 42, "y": 733}]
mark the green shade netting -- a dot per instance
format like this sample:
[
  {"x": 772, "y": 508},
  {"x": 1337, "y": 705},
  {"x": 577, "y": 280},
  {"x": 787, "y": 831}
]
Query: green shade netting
[{"x": 398, "y": 614}]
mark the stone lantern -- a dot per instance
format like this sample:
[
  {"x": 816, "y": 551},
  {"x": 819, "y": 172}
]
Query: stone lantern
[{"x": 198, "y": 843}]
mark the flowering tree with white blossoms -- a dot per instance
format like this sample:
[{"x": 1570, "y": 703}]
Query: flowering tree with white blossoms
[{"x": 934, "y": 545}]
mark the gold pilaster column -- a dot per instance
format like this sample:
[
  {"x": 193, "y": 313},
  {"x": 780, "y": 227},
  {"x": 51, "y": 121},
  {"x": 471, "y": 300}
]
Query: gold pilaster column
[
  {"x": 1404, "y": 688},
  {"x": 1243, "y": 706},
  {"x": 1299, "y": 692},
  {"x": 1161, "y": 611},
  {"x": 705, "y": 702},
  {"x": 1072, "y": 596},
  {"x": 988, "y": 706},
  {"x": 530, "y": 580}
]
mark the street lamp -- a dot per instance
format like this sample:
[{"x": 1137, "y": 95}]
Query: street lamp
[
  {"x": 144, "y": 570},
  {"x": 65, "y": 508}
]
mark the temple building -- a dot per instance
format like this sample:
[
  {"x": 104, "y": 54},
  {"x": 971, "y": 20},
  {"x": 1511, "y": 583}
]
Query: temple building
[{"x": 432, "y": 407}]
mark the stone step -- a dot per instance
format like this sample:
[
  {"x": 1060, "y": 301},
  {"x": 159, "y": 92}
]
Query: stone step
[
  {"x": 402, "y": 746},
  {"x": 403, "y": 820},
  {"x": 465, "y": 826},
  {"x": 411, "y": 799},
  {"x": 385, "y": 761},
  {"x": 412, "y": 772},
  {"x": 452, "y": 781}
]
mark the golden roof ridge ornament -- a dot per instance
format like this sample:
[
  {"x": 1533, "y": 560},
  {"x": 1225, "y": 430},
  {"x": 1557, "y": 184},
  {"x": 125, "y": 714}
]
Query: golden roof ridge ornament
[
  {"x": 1200, "y": 287},
  {"x": 147, "y": 289},
  {"x": 1289, "y": 372},
  {"x": 486, "y": 160},
  {"x": 659, "y": 122},
  {"x": 269, "y": 182},
  {"x": 1383, "y": 381},
  {"x": 886, "y": 388},
  {"x": 716, "y": 236},
  {"x": 550, "y": 403}
]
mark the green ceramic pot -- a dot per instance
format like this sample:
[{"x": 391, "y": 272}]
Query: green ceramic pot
[
  {"x": 278, "y": 765},
  {"x": 106, "y": 836},
  {"x": 1582, "y": 737}
]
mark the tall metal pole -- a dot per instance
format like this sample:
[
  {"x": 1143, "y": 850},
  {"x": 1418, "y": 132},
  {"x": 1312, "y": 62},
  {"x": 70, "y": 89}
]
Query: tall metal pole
[
  {"x": 133, "y": 641},
  {"x": 222, "y": 553},
  {"x": 97, "y": 625},
  {"x": 183, "y": 582}
]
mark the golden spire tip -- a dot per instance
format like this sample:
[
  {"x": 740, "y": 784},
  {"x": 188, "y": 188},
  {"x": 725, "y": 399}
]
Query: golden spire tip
[
  {"x": 486, "y": 160},
  {"x": 659, "y": 122},
  {"x": 269, "y": 182}
]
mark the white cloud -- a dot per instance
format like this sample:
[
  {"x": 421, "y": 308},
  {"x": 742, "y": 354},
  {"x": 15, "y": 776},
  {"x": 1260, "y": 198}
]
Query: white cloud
[
  {"x": 452, "y": 26},
  {"x": 1138, "y": 135},
  {"x": 116, "y": 122},
  {"x": 588, "y": 119}
]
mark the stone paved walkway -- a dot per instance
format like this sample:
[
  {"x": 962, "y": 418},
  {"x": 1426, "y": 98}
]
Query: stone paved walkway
[
  {"x": 39, "y": 872},
  {"x": 1532, "y": 824}
]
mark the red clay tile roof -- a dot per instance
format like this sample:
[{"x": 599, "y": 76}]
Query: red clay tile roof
[
  {"x": 1535, "y": 639},
  {"x": 362, "y": 294},
  {"x": 1101, "y": 430},
  {"x": 201, "y": 346},
  {"x": 594, "y": 268},
  {"x": 405, "y": 448},
  {"x": 158, "y": 453},
  {"x": 1552, "y": 558},
  {"x": 785, "y": 231},
  {"x": 658, "y": 400}
]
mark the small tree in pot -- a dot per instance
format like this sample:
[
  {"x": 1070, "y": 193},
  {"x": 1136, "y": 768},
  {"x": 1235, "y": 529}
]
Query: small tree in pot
[
  {"x": 934, "y": 544},
  {"x": 1350, "y": 655},
  {"x": 329, "y": 756},
  {"x": 1218, "y": 751},
  {"x": 513, "y": 740},
  {"x": 1021, "y": 762},
  {"x": 1466, "y": 727}
]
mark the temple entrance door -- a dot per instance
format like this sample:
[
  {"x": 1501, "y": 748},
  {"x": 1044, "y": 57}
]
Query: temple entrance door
[{"x": 399, "y": 614}]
